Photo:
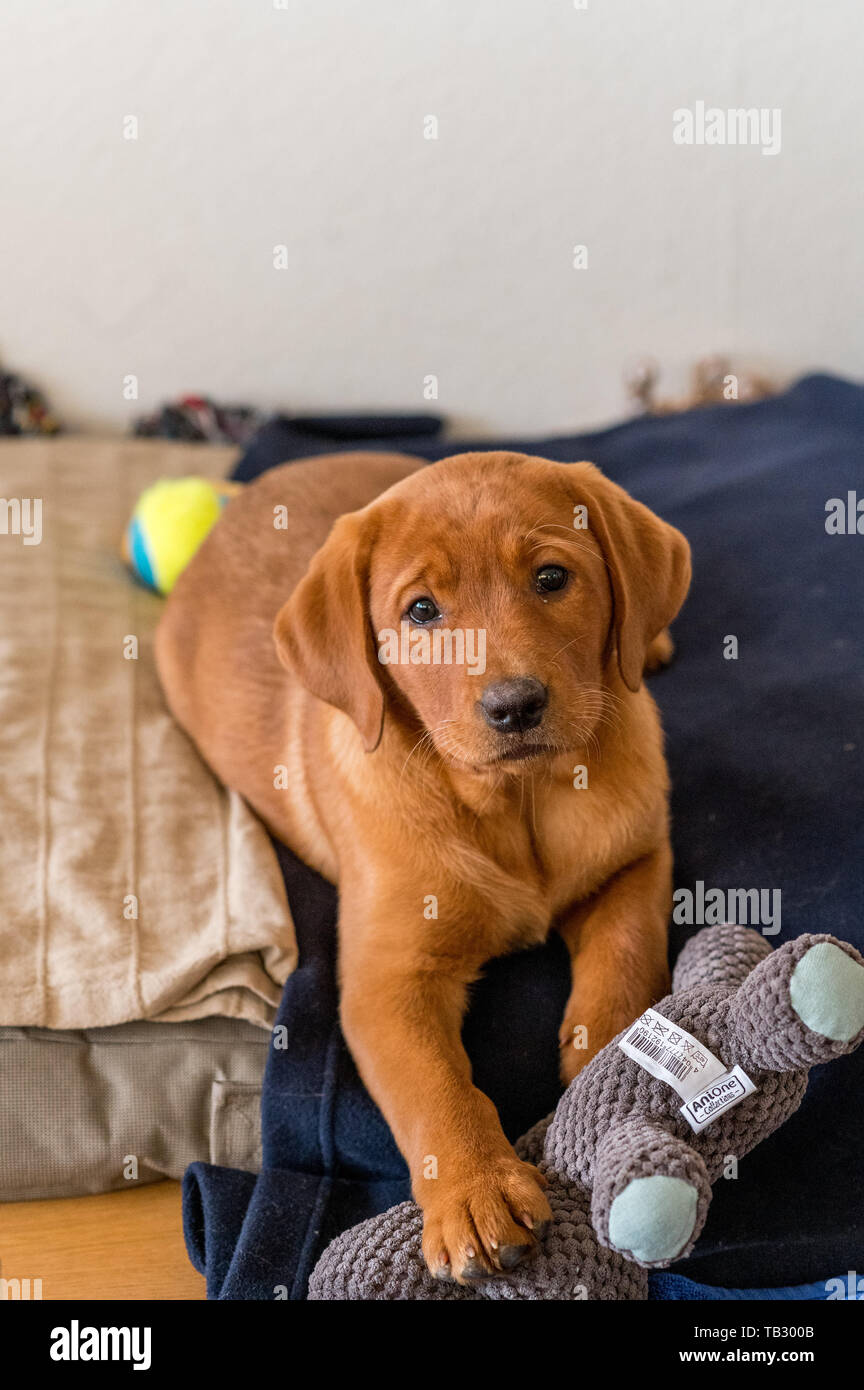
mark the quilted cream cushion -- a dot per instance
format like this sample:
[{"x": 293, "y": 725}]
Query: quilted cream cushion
[{"x": 132, "y": 885}]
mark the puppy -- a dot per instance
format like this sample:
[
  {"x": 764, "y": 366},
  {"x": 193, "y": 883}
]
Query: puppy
[{"x": 462, "y": 812}]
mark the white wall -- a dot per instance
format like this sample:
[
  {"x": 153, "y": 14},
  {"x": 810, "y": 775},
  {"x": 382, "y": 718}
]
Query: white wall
[{"x": 304, "y": 126}]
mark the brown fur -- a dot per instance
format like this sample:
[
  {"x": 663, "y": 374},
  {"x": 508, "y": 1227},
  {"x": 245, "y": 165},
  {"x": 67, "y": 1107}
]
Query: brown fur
[{"x": 397, "y": 790}]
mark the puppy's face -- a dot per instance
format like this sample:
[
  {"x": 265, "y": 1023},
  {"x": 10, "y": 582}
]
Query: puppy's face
[
  {"x": 483, "y": 600},
  {"x": 502, "y": 610}
]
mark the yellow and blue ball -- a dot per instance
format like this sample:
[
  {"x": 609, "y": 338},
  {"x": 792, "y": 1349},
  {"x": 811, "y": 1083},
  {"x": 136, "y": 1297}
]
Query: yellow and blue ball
[{"x": 169, "y": 523}]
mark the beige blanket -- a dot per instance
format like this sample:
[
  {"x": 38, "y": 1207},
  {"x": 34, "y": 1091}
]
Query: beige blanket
[{"x": 132, "y": 885}]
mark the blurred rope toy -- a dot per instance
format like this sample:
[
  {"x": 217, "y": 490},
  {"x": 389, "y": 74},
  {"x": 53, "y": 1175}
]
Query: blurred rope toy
[
  {"x": 199, "y": 420},
  {"x": 23, "y": 410}
]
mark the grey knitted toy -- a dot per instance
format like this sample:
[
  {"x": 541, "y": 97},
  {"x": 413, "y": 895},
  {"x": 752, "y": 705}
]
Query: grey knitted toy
[{"x": 629, "y": 1167}]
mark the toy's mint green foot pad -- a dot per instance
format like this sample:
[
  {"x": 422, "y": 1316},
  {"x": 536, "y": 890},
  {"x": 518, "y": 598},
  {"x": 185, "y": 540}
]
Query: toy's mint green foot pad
[
  {"x": 827, "y": 992},
  {"x": 653, "y": 1218}
]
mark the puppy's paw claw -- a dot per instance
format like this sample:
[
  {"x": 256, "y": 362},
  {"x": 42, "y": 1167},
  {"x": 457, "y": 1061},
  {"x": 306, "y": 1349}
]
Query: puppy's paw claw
[{"x": 484, "y": 1223}]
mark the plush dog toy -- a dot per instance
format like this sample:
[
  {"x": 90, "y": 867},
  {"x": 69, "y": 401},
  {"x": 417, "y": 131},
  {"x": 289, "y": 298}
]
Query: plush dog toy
[{"x": 642, "y": 1132}]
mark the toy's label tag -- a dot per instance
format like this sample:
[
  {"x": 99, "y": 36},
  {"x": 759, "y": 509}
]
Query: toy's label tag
[
  {"x": 671, "y": 1054},
  {"x": 717, "y": 1097}
]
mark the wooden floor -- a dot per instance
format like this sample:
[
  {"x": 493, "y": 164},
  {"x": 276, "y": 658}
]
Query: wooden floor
[{"x": 126, "y": 1245}]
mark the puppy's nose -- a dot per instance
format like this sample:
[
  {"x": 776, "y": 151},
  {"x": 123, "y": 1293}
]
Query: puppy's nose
[{"x": 512, "y": 706}]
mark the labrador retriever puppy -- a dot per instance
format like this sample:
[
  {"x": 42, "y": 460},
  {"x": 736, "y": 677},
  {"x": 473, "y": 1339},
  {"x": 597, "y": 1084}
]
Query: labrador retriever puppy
[{"x": 465, "y": 809}]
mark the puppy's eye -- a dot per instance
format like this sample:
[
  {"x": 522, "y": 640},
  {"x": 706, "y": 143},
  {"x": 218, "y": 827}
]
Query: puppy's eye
[
  {"x": 550, "y": 578},
  {"x": 423, "y": 610}
]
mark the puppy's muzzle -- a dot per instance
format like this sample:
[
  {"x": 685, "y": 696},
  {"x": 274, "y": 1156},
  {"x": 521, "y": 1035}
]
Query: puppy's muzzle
[{"x": 514, "y": 706}]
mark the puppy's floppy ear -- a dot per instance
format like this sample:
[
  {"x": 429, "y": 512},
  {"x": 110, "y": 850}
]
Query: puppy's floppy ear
[
  {"x": 323, "y": 633},
  {"x": 649, "y": 568}
]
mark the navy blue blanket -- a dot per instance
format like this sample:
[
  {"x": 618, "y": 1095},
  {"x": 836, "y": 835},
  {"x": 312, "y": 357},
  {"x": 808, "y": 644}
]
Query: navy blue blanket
[{"x": 766, "y": 760}]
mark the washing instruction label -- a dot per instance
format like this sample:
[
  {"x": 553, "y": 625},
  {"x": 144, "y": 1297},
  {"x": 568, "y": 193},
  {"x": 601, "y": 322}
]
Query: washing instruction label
[{"x": 671, "y": 1054}]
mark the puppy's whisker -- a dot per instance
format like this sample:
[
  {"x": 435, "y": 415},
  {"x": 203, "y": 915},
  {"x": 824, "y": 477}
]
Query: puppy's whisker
[
  {"x": 495, "y": 785},
  {"x": 550, "y": 526},
  {"x": 427, "y": 738},
  {"x": 572, "y": 544},
  {"x": 571, "y": 643}
]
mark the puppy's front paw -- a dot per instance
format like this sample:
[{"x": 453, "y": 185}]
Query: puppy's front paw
[{"x": 482, "y": 1221}]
